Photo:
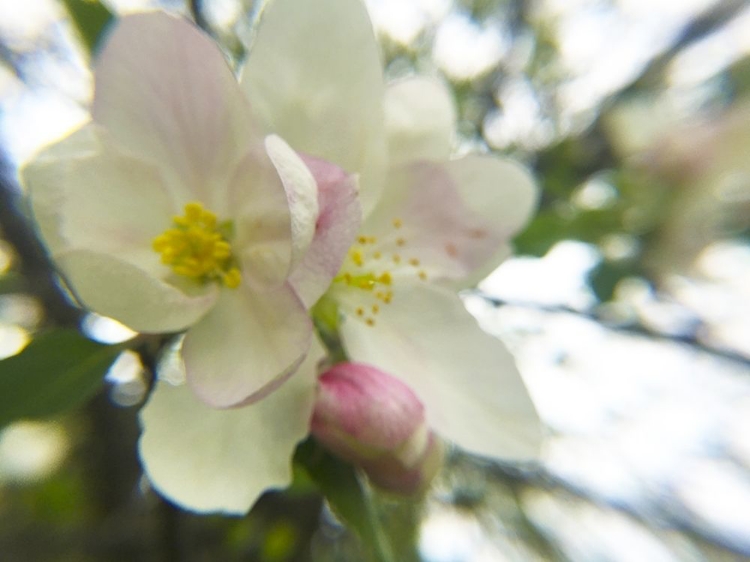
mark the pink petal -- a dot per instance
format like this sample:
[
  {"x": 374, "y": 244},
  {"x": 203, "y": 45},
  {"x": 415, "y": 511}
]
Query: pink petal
[{"x": 337, "y": 225}]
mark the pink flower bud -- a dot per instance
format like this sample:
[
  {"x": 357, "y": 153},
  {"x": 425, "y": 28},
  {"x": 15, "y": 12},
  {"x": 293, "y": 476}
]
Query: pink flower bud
[{"x": 377, "y": 423}]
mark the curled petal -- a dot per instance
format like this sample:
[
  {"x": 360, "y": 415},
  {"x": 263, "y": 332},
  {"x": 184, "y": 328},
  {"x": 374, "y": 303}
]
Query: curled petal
[
  {"x": 302, "y": 195},
  {"x": 313, "y": 76},
  {"x": 246, "y": 346},
  {"x": 469, "y": 385},
  {"x": 275, "y": 206},
  {"x": 337, "y": 225},
  {"x": 211, "y": 460}
]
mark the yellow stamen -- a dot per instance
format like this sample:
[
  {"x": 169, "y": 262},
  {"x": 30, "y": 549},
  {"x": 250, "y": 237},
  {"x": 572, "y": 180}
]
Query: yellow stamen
[{"x": 194, "y": 247}]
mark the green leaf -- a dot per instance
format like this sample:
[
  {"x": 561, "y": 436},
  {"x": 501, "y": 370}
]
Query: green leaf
[
  {"x": 90, "y": 18},
  {"x": 55, "y": 372},
  {"x": 347, "y": 495}
]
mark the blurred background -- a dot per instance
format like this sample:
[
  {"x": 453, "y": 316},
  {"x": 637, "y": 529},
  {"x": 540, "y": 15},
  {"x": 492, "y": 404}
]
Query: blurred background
[{"x": 627, "y": 305}]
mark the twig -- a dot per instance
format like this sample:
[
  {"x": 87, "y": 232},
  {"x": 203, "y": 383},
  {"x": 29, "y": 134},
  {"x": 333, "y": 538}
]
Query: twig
[{"x": 632, "y": 328}]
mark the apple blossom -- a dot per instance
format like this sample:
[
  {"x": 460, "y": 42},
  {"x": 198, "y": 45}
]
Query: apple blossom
[
  {"x": 172, "y": 210},
  {"x": 431, "y": 223}
]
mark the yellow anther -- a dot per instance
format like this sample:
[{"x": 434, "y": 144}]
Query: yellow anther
[
  {"x": 414, "y": 262},
  {"x": 194, "y": 247},
  {"x": 423, "y": 275},
  {"x": 232, "y": 278},
  {"x": 370, "y": 321},
  {"x": 396, "y": 258},
  {"x": 375, "y": 309},
  {"x": 357, "y": 257},
  {"x": 400, "y": 242},
  {"x": 377, "y": 255},
  {"x": 360, "y": 311},
  {"x": 397, "y": 223},
  {"x": 362, "y": 239},
  {"x": 385, "y": 278}
]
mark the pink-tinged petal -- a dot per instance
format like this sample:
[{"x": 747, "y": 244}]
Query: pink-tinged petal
[
  {"x": 246, "y": 346},
  {"x": 338, "y": 223},
  {"x": 112, "y": 287},
  {"x": 471, "y": 389},
  {"x": 314, "y": 77},
  {"x": 434, "y": 225},
  {"x": 274, "y": 204},
  {"x": 210, "y": 460},
  {"x": 420, "y": 120},
  {"x": 165, "y": 91},
  {"x": 88, "y": 195}
]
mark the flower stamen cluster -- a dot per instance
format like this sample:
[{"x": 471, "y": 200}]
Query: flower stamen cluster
[
  {"x": 198, "y": 247},
  {"x": 366, "y": 269}
]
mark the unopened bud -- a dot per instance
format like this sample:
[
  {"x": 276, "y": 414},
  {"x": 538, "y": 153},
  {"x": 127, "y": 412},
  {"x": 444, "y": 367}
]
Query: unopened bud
[{"x": 377, "y": 423}]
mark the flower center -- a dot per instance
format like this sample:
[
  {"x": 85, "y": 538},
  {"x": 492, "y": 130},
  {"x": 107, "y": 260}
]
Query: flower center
[
  {"x": 371, "y": 265},
  {"x": 197, "y": 247}
]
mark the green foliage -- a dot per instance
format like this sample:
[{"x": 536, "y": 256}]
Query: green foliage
[
  {"x": 347, "y": 495},
  {"x": 57, "y": 371},
  {"x": 90, "y": 18}
]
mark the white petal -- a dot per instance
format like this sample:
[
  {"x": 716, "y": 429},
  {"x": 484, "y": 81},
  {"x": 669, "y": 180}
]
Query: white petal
[
  {"x": 499, "y": 189},
  {"x": 86, "y": 194},
  {"x": 467, "y": 380},
  {"x": 420, "y": 118},
  {"x": 112, "y": 287},
  {"x": 164, "y": 89},
  {"x": 246, "y": 346},
  {"x": 314, "y": 77},
  {"x": 338, "y": 223},
  {"x": 41, "y": 177},
  {"x": 210, "y": 460}
]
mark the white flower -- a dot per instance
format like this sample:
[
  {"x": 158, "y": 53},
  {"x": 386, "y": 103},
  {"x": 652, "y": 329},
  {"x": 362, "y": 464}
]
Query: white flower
[
  {"x": 172, "y": 210},
  {"x": 430, "y": 223}
]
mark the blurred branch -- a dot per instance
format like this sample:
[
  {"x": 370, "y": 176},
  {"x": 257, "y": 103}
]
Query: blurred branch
[
  {"x": 657, "y": 515},
  {"x": 707, "y": 22},
  {"x": 633, "y": 328},
  {"x": 196, "y": 9},
  {"x": 38, "y": 273}
]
